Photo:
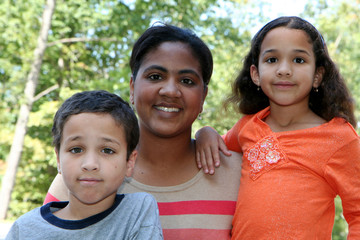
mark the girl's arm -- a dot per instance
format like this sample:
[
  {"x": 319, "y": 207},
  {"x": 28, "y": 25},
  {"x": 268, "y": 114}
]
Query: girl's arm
[
  {"x": 208, "y": 144},
  {"x": 57, "y": 191}
]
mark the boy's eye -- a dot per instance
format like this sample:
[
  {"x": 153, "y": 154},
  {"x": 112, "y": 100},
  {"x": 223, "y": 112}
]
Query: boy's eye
[
  {"x": 108, "y": 151},
  {"x": 271, "y": 60},
  {"x": 155, "y": 77},
  {"x": 299, "y": 60},
  {"x": 187, "y": 81},
  {"x": 76, "y": 150}
]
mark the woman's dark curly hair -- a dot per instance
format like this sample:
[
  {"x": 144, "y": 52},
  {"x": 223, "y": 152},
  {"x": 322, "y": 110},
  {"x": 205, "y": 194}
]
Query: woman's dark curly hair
[{"x": 333, "y": 98}]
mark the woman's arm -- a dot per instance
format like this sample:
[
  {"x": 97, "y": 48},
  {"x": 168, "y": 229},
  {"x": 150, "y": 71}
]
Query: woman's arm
[{"x": 57, "y": 191}]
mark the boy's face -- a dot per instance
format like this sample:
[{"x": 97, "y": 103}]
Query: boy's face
[{"x": 92, "y": 158}]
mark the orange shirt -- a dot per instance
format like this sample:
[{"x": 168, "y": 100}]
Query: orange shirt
[{"x": 289, "y": 179}]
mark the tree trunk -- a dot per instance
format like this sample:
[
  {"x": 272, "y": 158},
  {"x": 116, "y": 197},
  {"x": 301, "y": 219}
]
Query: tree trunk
[{"x": 32, "y": 80}]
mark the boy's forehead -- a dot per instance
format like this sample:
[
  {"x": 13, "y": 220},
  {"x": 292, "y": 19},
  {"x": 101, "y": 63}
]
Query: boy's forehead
[{"x": 91, "y": 120}]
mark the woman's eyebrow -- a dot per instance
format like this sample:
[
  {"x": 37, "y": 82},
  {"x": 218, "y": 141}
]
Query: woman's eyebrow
[
  {"x": 157, "y": 67},
  {"x": 189, "y": 71}
]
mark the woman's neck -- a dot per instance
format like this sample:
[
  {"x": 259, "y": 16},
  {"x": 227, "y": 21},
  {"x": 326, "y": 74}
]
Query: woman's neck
[{"x": 165, "y": 161}]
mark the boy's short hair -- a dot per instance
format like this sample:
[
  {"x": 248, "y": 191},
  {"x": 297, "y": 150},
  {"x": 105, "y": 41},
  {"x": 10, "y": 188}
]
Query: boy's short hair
[{"x": 98, "y": 101}]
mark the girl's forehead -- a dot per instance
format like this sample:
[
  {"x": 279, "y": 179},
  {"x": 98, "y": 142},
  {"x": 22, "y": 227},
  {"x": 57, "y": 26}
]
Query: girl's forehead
[
  {"x": 284, "y": 34},
  {"x": 282, "y": 31}
]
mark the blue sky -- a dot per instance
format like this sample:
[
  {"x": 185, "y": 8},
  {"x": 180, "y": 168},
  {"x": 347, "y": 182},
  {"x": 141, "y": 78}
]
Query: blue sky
[{"x": 285, "y": 7}]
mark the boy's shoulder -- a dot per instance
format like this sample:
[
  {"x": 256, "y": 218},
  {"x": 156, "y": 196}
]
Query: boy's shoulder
[
  {"x": 142, "y": 198},
  {"x": 29, "y": 221}
]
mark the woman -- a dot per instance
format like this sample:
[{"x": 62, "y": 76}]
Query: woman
[{"x": 171, "y": 68}]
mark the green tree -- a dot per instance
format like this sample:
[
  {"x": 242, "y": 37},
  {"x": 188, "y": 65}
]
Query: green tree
[
  {"x": 25, "y": 108},
  {"x": 88, "y": 48}
]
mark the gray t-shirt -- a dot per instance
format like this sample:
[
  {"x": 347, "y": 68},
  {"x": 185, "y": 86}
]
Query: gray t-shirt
[{"x": 132, "y": 216}]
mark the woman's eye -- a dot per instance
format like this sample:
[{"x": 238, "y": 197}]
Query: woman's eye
[
  {"x": 271, "y": 60},
  {"x": 155, "y": 77},
  {"x": 187, "y": 81},
  {"x": 108, "y": 151},
  {"x": 76, "y": 150},
  {"x": 299, "y": 60}
]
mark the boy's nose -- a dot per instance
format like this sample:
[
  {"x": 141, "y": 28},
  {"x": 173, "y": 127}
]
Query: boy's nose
[{"x": 90, "y": 162}]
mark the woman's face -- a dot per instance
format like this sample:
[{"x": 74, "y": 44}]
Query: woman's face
[{"x": 168, "y": 92}]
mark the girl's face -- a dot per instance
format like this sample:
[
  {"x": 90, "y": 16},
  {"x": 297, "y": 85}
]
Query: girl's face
[
  {"x": 168, "y": 92},
  {"x": 286, "y": 72}
]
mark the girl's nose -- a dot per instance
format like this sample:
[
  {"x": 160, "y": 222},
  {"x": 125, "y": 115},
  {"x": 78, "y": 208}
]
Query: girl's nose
[{"x": 284, "y": 69}]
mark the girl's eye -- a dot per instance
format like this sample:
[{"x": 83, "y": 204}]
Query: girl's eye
[
  {"x": 271, "y": 60},
  {"x": 299, "y": 60},
  {"x": 155, "y": 77},
  {"x": 108, "y": 151},
  {"x": 76, "y": 150},
  {"x": 187, "y": 81}
]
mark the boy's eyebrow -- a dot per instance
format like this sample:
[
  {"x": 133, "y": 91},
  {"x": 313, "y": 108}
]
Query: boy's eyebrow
[
  {"x": 74, "y": 138},
  {"x": 105, "y": 139},
  {"x": 111, "y": 140}
]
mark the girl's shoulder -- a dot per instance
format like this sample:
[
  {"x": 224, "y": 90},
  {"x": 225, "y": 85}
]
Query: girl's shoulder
[{"x": 341, "y": 126}]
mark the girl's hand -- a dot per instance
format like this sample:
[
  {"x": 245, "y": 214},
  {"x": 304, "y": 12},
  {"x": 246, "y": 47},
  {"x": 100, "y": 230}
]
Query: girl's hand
[{"x": 208, "y": 144}]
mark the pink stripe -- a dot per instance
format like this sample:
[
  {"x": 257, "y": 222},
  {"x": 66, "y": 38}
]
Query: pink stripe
[
  {"x": 197, "y": 207},
  {"x": 185, "y": 234},
  {"x": 50, "y": 198}
]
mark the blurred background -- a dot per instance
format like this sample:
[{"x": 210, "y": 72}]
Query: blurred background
[{"x": 88, "y": 47}]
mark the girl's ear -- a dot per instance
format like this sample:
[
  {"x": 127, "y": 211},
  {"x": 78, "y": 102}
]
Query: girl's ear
[
  {"x": 319, "y": 73},
  {"x": 254, "y": 73},
  {"x": 130, "y": 164}
]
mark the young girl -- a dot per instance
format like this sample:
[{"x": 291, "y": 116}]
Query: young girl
[{"x": 299, "y": 146}]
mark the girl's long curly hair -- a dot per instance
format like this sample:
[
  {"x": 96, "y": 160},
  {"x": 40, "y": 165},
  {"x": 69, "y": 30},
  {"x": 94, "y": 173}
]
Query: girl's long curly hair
[{"x": 333, "y": 98}]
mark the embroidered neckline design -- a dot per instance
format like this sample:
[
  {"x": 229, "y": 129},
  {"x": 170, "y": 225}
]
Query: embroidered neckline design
[{"x": 264, "y": 155}]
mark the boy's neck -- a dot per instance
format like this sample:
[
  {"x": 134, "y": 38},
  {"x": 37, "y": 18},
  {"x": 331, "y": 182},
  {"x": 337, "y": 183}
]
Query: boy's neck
[{"x": 77, "y": 210}]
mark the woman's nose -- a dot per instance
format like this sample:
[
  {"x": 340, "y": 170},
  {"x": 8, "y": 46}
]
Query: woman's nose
[{"x": 170, "y": 88}]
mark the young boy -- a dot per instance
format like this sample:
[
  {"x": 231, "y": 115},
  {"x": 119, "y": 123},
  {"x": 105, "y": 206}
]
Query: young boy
[{"x": 95, "y": 134}]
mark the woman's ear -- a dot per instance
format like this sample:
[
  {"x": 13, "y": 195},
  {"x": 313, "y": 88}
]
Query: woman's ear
[
  {"x": 319, "y": 74},
  {"x": 130, "y": 164},
  {"x": 254, "y": 73},
  {"x": 132, "y": 90},
  {"x": 203, "y": 99}
]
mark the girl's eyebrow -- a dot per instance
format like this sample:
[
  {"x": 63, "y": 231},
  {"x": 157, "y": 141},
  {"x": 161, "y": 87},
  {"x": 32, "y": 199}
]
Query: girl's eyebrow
[
  {"x": 302, "y": 51},
  {"x": 295, "y": 50}
]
